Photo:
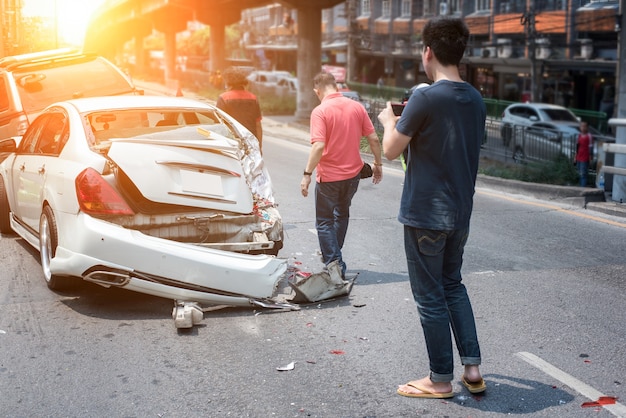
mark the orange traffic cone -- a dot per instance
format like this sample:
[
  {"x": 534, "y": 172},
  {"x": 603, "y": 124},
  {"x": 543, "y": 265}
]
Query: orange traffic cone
[{"x": 179, "y": 92}]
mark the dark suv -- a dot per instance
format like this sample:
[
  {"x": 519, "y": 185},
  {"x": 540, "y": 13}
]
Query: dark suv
[{"x": 30, "y": 82}]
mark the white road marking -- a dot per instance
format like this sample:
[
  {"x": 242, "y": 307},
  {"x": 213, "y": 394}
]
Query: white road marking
[{"x": 617, "y": 409}]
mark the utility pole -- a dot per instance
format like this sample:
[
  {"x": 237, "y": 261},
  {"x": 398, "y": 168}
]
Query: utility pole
[
  {"x": 351, "y": 18},
  {"x": 528, "y": 20}
]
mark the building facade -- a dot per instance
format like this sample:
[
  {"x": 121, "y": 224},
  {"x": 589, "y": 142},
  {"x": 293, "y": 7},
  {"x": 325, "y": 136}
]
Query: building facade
[
  {"x": 10, "y": 27},
  {"x": 554, "y": 51}
]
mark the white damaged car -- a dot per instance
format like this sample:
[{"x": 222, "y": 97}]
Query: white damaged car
[{"x": 161, "y": 195}]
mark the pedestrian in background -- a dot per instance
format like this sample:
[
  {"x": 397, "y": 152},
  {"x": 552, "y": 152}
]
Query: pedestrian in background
[
  {"x": 584, "y": 153},
  {"x": 240, "y": 103},
  {"x": 443, "y": 126},
  {"x": 380, "y": 83},
  {"x": 337, "y": 126}
]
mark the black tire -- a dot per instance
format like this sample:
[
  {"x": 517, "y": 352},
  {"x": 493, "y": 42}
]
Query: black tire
[
  {"x": 5, "y": 210},
  {"x": 518, "y": 155},
  {"x": 48, "y": 241}
]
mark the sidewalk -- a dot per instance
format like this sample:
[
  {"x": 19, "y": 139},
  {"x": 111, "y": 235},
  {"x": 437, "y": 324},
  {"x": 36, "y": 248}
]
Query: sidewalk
[{"x": 291, "y": 129}]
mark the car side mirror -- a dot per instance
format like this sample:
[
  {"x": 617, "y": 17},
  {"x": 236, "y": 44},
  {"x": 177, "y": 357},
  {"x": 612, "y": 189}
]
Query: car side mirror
[{"x": 8, "y": 145}]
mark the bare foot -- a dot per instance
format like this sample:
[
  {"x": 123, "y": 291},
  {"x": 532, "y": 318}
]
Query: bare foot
[{"x": 427, "y": 384}]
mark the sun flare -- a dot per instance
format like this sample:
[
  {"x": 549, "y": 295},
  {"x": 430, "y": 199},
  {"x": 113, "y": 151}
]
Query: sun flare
[{"x": 69, "y": 16}]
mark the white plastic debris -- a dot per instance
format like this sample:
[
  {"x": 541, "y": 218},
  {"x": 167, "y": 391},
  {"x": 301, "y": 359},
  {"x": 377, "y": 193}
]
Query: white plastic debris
[{"x": 288, "y": 367}]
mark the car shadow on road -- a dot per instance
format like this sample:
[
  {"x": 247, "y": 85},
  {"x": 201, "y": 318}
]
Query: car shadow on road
[{"x": 113, "y": 303}]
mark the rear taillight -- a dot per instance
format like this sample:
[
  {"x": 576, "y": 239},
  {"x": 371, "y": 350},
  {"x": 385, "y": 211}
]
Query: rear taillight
[{"x": 97, "y": 197}]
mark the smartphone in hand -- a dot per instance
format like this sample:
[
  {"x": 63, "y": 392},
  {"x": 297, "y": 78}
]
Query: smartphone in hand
[{"x": 397, "y": 108}]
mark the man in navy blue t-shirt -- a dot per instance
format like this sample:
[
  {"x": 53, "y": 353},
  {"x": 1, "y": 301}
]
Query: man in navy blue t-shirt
[{"x": 442, "y": 126}]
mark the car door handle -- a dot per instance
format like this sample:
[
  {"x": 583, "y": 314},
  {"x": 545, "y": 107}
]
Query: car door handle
[
  {"x": 41, "y": 169},
  {"x": 22, "y": 167}
]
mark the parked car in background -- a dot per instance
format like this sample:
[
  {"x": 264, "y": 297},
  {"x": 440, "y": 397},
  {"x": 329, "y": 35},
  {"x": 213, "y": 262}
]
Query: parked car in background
[
  {"x": 407, "y": 94},
  {"x": 287, "y": 87},
  {"x": 547, "y": 140},
  {"x": 354, "y": 95},
  {"x": 526, "y": 114},
  {"x": 30, "y": 82},
  {"x": 161, "y": 195},
  {"x": 264, "y": 82}
]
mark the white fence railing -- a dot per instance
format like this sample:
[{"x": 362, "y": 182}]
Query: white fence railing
[{"x": 615, "y": 149}]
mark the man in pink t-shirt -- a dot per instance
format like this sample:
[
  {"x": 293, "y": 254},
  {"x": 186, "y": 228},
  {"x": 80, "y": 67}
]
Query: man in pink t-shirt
[{"x": 337, "y": 126}]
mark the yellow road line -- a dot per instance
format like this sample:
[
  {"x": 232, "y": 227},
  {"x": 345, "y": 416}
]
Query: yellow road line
[{"x": 553, "y": 207}]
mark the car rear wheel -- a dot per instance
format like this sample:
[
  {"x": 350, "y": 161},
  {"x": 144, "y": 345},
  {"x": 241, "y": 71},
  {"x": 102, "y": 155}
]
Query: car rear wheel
[
  {"x": 48, "y": 240},
  {"x": 518, "y": 155},
  {"x": 5, "y": 223}
]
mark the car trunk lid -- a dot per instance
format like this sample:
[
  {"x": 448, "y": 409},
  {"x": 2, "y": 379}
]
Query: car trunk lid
[{"x": 172, "y": 171}]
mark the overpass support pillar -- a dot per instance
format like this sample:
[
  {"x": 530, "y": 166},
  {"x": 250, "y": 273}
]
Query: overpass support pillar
[
  {"x": 619, "y": 182},
  {"x": 216, "y": 47},
  {"x": 309, "y": 58}
]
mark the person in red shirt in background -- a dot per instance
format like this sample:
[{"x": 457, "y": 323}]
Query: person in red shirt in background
[
  {"x": 240, "y": 103},
  {"x": 584, "y": 152}
]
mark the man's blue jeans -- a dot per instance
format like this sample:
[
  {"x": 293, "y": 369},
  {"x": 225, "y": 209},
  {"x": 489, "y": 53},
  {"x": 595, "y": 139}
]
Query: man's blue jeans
[
  {"x": 583, "y": 172},
  {"x": 434, "y": 261},
  {"x": 332, "y": 213}
]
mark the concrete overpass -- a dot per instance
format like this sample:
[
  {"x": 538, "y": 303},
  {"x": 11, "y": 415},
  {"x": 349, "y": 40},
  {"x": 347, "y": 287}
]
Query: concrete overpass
[{"x": 119, "y": 21}]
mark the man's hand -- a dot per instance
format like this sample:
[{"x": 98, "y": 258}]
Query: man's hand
[
  {"x": 304, "y": 185},
  {"x": 387, "y": 118},
  {"x": 378, "y": 174}
]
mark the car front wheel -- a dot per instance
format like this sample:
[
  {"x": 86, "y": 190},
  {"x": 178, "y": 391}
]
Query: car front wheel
[{"x": 48, "y": 241}]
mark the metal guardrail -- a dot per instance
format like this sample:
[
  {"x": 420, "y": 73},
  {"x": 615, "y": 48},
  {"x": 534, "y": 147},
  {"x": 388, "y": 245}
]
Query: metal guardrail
[
  {"x": 522, "y": 144},
  {"x": 615, "y": 149}
]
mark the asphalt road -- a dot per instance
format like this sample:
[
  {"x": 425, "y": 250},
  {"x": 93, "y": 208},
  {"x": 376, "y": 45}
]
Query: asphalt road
[{"x": 546, "y": 280}]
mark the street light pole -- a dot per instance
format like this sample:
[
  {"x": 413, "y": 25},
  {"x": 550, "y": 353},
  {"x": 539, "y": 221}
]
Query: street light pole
[
  {"x": 528, "y": 20},
  {"x": 351, "y": 58}
]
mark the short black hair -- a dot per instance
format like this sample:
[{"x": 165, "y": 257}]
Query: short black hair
[
  {"x": 235, "y": 77},
  {"x": 447, "y": 37}
]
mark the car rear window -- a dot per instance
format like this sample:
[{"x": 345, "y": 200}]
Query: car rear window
[
  {"x": 40, "y": 87},
  {"x": 155, "y": 123}
]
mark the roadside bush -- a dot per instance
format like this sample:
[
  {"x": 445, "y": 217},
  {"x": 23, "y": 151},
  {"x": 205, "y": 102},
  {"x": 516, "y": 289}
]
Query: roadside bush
[
  {"x": 559, "y": 172},
  {"x": 270, "y": 105},
  {"x": 273, "y": 105}
]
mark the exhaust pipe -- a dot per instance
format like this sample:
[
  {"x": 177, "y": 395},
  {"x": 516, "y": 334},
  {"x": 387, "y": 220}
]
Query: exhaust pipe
[{"x": 107, "y": 277}]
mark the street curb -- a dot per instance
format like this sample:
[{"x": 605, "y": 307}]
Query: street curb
[
  {"x": 574, "y": 195},
  {"x": 609, "y": 208}
]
